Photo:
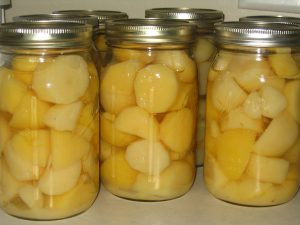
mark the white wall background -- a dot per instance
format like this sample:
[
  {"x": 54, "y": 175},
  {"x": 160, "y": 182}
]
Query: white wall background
[{"x": 134, "y": 8}]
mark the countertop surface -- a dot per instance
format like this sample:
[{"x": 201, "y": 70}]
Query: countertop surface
[{"x": 194, "y": 208}]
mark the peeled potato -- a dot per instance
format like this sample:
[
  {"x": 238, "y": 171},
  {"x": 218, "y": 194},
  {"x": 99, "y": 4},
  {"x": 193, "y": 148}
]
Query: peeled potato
[
  {"x": 29, "y": 113},
  {"x": 62, "y": 81},
  {"x": 147, "y": 157},
  {"x": 273, "y": 102},
  {"x": 185, "y": 92},
  {"x": 107, "y": 149},
  {"x": 283, "y": 64},
  {"x": 292, "y": 93},
  {"x": 252, "y": 105},
  {"x": 110, "y": 134},
  {"x": 25, "y": 63},
  {"x": 252, "y": 76},
  {"x": 237, "y": 118},
  {"x": 278, "y": 137},
  {"x": 177, "y": 130},
  {"x": 25, "y": 77},
  {"x": 233, "y": 149},
  {"x": 63, "y": 117},
  {"x": 12, "y": 91},
  {"x": 268, "y": 169},
  {"x": 31, "y": 196},
  {"x": 137, "y": 121},
  {"x": 9, "y": 185},
  {"x": 293, "y": 154},
  {"x": 116, "y": 171},
  {"x": 83, "y": 194},
  {"x": 156, "y": 88},
  {"x": 226, "y": 93},
  {"x": 57, "y": 182},
  {"x": 67, "y": 148},
  {"x": 179, "y": 62},
  {"x": 222, "y": 60},
  {"x": 5, "y": 133},
  {"x": 32, "y": 146},
  {"x": 203, "y": 50}
]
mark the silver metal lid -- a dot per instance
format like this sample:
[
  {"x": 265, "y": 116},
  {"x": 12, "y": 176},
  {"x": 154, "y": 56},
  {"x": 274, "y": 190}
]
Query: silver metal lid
[
  {"x": 151, "y": 31},
  {"x": 259, "y": 34},
  {"x": 204, "y": 18},
  {"x": 280, "y": 19},
  {"x": 102, "y": 15},
  {"x": 84, "y": 19},
  {"x": 45, "y": 35}
]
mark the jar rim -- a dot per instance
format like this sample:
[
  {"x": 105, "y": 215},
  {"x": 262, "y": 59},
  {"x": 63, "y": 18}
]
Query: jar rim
[
  {"x": 155, "y": 31},
  {"x": 45, "y": 34},
  {"x": 257, "y": 34}
]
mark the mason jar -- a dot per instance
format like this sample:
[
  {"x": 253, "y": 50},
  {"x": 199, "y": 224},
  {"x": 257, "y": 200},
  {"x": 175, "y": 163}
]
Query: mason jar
[
  {"x": 148, "y": 114},
  {"x": 252, "y": 115},
  {"x": 203, "y": 52},
  {"x": 49, "y": 120},
  {"x": 103, "y": 16}
]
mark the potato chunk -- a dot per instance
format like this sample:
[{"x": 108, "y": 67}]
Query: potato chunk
[
  {"x": 292, "y": 93},
  {"x": 278, "y": 137},
  {"x": 284, "y": 65},
  {"x": 177, "y": 130},
  {"x": 156, "y": 88},
  {"x": 147, "y": 157},
  {"x": 233, "y": 149}
]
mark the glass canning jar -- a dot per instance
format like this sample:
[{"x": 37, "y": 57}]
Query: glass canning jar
[
  {"x": 49, "y": 120},
  {"x": 148, "y": 114},
  {"x": 252, "y": 116},
  {"x": 203, "y": 53},
  {"x": 103, "y": 16}
]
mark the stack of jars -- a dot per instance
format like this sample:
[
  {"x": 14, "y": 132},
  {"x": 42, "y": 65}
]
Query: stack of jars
[{"x": 166, "y": 79}]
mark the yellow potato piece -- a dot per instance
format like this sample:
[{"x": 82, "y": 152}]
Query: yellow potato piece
[
  {"x": 115, "y": 171},
  {"x": 90, "y": 165},
  {"x": 83, "y": 194},
  {"x": 222, "y": 61},
  {"x": 283, "y": 64},
  {"x": 107, "y": 149},
  {"x": 238, "y": 119},
  {"x": 177, "y": 130},
  {"x": 9, "y": 185},
  {"x": 62, "y": 81},
  {"x": 233, "y": 149},
  {"x": 292, "y": 93},
  {"x": 268, "y": 169},
  {"x": 122, "y": 54},
  {"x": 212, "y": 113},
  {"x": 110, "y": 134},
  {"x": 137, "y": 121},
  {"x": 293, "y": 154},
  {"x": 251, "y": 76},
  {"x": 148, "y": 157},
  {"x": 57, "y": 182},
  {"x": 63, "y": 117},
  {"x": 67, "y": 148},
  {"x": 226, "y": 94},
  {"x": 156, "y": 88},
  {"x": 25, "y": 63},
  {"x": 89, "y": 117},
  {"x": 269, "y": 143},
  {"x": 31, "y": 196},
  {"x": 32, "y": 146},
  {"x": 100, "y": 43},
  {"x": 12, "y": 90},
  {"x": 185, "y": 92},
  {"x": 5, "y": 133},
  {"x": 25, "y": 77},
  {"x": 173, "y": 182},
  {"x": 252, "y": 105},
  {"x": 179, "y": 62},
  {"x": 204, "y": 50},
  {"x": 29, "y": 113},
  {"x": 273, "y": 101}
]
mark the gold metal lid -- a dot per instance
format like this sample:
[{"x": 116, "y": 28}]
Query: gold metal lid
[
  {"x": 151, "y": 31},
  {"x": 84, "y": 19},
  {"x": 102, "y": 15},
  {"x": 203, "y": 18},
  {"x": 45, "y": 35},
  {"x": 258, "y": 34},
  {"x": 280, "y": 19}
]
